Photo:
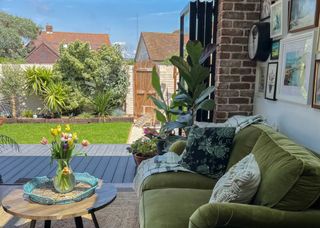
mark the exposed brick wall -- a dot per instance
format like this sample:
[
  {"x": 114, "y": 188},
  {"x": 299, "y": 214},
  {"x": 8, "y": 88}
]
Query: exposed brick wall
[{"x": 235, "y": 73}]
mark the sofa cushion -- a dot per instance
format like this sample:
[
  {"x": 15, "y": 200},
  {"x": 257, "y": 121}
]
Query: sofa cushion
[
  {"x": 243, "y": 143},
  {"x": 178, "y": 180},
  {"x": 290, "y": 174},
  {"x": 170, "y": 208},
  {"x": 239, "y": 184},
  {"x": 208, "y": 150},
  {"x": 178, "y": 147}
]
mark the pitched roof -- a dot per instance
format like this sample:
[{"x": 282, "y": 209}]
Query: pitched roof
[
  {"x": 161, "y": 46},
  {"x": 55, "y": 39}
]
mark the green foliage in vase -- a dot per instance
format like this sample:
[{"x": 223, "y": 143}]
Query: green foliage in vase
[
  {"x": 15, "y": 32},
  {"x": 193, "y": 92}
]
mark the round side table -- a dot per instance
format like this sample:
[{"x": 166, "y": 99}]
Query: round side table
[{"x": 16, "y": 204}]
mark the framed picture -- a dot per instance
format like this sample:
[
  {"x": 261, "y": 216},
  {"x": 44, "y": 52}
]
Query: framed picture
[
  {"x": 261, "y": 75},
  {"x": 304, "y": 14},
  {"x": 271, "y": 82},
  {"x": 278, "y": 16},
  {"x": 297, "y": 58},
  {"x": 265, "y": 9},
  {"x": 316, "y": 86},
  {"x": 275, "y": 50}
]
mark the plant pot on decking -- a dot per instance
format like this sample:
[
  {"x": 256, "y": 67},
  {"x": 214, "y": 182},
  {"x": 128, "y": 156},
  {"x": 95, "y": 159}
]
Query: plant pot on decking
[{"x": 138, "y": 158}]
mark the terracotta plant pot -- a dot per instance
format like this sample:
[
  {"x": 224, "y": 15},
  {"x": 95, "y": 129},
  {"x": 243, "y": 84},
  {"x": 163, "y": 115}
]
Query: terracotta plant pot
[
  {"x": 138, "y": 158},
  {"x": 2, "y": 120}
]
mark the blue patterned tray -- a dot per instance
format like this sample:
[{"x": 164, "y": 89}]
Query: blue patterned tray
[{"x": 39, "y": 182}]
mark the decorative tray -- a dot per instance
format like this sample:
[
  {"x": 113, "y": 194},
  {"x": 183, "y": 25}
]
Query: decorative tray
[{"x": 41, "y": 190}]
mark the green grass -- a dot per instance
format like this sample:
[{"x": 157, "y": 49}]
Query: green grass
[{"x": 96, "y": 133}]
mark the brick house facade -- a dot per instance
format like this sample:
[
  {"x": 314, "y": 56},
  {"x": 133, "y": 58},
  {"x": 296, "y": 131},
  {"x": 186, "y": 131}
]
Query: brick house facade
[
  {"x": 45, "y": 49},
  {"x": 235, "y": 73}
]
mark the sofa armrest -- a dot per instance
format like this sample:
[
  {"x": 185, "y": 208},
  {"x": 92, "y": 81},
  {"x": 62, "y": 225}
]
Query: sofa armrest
[{"x": 251, "y": 216}]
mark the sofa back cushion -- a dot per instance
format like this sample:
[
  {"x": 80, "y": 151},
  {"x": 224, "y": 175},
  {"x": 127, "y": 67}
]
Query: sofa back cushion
[
  {"x": 290, "y": 174},
  {"x": 243, "y": 143}
]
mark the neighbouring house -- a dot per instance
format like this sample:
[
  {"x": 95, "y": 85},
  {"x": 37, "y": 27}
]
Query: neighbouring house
[
  {"x": 45, "y": 49},
  {"x": 157, "y": 47}
]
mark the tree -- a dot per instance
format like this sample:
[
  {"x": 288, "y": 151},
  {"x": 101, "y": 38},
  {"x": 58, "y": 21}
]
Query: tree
[
  {"x": 12, "y": 85},
  {"x": 89, "y": 73},
  {"x": 15, "y": 32}
]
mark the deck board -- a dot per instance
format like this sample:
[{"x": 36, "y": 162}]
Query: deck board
[{"x": 112, "y": 163}]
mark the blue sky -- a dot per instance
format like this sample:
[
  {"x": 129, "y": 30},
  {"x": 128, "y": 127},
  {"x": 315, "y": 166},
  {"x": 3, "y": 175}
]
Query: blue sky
[{"x": 115, "y": 17}]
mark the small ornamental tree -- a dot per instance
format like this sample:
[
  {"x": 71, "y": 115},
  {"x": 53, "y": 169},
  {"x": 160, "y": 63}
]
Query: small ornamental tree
[{"x": 13, "y": 85}]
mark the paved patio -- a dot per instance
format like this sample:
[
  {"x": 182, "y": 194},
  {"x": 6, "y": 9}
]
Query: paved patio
[{"x": 110, "y": 162}]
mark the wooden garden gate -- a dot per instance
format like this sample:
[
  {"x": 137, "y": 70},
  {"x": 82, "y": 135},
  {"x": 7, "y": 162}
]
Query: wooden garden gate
[{"x": 143, "y": 89}]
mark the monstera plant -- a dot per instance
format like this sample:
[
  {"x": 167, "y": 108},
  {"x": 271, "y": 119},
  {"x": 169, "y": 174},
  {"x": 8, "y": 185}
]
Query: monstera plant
[{"x": 193, "y": 93}]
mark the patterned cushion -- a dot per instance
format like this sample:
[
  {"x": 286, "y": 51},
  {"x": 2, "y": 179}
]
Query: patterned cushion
[
  {"x": 208, "y": 150},
  {"x": 239, "y": 184}
]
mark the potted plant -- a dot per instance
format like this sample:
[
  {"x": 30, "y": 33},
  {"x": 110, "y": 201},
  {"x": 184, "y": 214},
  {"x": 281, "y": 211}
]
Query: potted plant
[
  {"x": 193, "y": 94},
  {"x": 143, "y": 149},
  {"x": 62, "y": 151}
]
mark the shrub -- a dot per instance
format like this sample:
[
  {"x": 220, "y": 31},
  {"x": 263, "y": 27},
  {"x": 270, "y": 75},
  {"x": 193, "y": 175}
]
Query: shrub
[
  {"x": 104, "y": 103},
  {"x": 27, "y": 113},
  {"x": 38, "y": 78}
]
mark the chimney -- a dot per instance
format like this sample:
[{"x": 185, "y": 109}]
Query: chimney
[{"x": 49, "y": 28}]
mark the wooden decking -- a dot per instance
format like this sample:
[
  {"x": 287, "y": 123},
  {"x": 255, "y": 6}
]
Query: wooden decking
[{"x": 111, "y": 163}]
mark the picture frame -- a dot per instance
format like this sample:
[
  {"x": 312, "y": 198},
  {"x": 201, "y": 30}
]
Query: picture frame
[
  {"x": 297, "y": 64},
  {"x": 271, "y": 81},
  {"x": 278, "y": 19},
  {"x": 275, "y": 50},
  {"x": 265, "y": 9},
  {"x": 303, "y": 14},
  {"x": 261, "y": 75},
  {"x": 316, "y": 86}
]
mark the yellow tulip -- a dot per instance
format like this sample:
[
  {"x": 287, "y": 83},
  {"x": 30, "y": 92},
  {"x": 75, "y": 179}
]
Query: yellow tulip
[
  {"x": 68, "y": 128},
  {"x": 75, "y": 136},
  {"x": 70, "y": 142},
  {"x": 59, "y": 129},
  {"x": 54, "y": 132}
]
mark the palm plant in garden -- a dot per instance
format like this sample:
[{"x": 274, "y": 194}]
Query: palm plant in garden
[
  {"x": 103, "y": 103},
  {"x": 38, "y": 78}
]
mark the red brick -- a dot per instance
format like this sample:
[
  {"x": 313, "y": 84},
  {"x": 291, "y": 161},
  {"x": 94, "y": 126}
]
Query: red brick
[
  {"x": 241, "y": 71},
  {"x": 247, "y": 108},
  {"x": 227, "y": 93},
  {"x": 232, "y": 32},
  {"x": 248, "y": 78},
  {"x": 244, "y": 6},
  {"x": 227, "y": 108},
  {"x": 233, "y": 15},
  {"x": 240, "y": 86},
  {"x": 239, "y": 100}
]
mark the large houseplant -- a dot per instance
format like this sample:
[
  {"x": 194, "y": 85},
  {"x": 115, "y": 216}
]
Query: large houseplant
[{"x": 193, "y": 94}]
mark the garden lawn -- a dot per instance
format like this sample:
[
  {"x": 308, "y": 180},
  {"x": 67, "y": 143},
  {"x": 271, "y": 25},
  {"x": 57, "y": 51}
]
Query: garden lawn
[{"x": 96, "y": 133}]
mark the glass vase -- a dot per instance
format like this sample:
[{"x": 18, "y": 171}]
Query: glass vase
[{"x": 64, "y": 181}]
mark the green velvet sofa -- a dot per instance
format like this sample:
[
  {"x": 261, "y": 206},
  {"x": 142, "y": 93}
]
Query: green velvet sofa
[{"x": 287, "y": 196}]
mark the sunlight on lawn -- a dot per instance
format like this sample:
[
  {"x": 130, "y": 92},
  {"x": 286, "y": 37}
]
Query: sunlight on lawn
[{"x": 96, "y": 133}]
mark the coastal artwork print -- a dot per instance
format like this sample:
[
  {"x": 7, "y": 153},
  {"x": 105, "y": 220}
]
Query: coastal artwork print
[
  {"x": 261, "y": 76},
  {"x": 275, "y": 49},
  {"x": 303, "y": 15},
  {"x": 271, "y": 81},
  {"x": 265, "y": 9},
  {"x": 296, "y": 63},
  {"x": 276, "y": 20}
]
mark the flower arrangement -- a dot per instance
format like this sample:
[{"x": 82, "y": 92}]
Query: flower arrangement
[{"x": 63, "y": 150}]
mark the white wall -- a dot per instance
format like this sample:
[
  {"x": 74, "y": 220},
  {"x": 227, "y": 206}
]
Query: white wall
[{"x": 299, "y": 122}]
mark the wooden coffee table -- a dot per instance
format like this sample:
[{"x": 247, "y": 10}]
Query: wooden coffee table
[{"x": 16, "y": 204}]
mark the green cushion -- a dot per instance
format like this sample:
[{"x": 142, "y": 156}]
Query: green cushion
[
  {"x": 170, "y": 208},
  {"x": 178, "y": 146},
  {"x": 208, "y": 150},
  {"x": 178, "y": 180},
  {"x": 243, "y": 143},
  {"x": 290, "y": 174}
]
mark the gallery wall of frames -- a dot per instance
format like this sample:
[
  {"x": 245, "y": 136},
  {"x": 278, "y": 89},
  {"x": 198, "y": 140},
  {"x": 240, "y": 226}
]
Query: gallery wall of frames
[{"x": 292, "y": 72}]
